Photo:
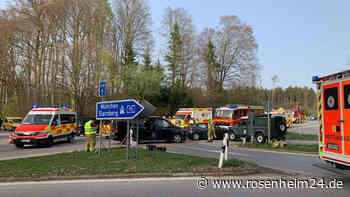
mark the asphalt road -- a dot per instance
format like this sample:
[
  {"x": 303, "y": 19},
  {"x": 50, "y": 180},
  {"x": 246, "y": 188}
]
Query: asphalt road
[
  {"x": 308, "y": 127},
  {"x": 156, "y": 187},
  {"x": 9, "y": 151},
  {"x": 297, "y": 164},
  {"x": 306, "y": 164}
]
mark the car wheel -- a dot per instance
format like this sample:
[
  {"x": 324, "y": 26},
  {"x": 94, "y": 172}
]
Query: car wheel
[
  {"x": 232, "y": 136},
  {"x": 283, "y": 127},
  {"x": 19, "y": 145},
  {"x": 340, "y": 166},
  {"x": 195, "y": 136},
  {"x": 177, "y": 138},
  {"x": 50, "y": 141},
  {"x": 70, "y": 138},
  {"x": 260, "y": 138}
]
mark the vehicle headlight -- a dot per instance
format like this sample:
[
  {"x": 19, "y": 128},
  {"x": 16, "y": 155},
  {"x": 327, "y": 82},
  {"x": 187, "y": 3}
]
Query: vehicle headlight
[{"x": 40, "y": 133}]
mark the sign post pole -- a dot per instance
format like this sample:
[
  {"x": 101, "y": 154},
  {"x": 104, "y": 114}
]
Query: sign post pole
[
  {"x": 102, "y": 94},
  {"x": 137, "y": 138},
  {"x": 127, "y": 140}
]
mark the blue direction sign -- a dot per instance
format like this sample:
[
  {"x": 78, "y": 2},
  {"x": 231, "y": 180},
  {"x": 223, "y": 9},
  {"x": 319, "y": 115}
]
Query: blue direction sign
[
  {"x": 122, "y": 109},
  {"x": 102, "y": 92}
]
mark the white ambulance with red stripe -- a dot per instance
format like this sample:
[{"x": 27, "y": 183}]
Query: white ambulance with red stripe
[
  {"x": 45, "y": 126},
  {"x": 334, "y": 118},
  {"x": 199, "y": 115}
]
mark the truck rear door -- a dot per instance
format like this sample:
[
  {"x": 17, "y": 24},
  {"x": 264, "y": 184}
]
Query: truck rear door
[
  {"x": 346, "y": 116},
  {"x": 332, "y": 117}
]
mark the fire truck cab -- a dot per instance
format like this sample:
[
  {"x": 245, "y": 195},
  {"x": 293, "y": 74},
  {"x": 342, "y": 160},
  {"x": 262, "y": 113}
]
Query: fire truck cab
[
  {"x": 231, "y": 115},
  {"x": 334, "y": 118},
  {"x": 44, "y": 126}
]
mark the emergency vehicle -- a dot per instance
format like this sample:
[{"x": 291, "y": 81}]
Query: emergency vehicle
[
  {"x": 231, "y": 114},
  {"x": 45, "y": 126},
  {"x": 333, "y": 92},
  {"x": 199, "y": 115}
]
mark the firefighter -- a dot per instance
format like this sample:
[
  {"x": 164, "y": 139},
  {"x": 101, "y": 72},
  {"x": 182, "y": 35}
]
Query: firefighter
[
  {"x": 211, "y": 130},
  {"x": 90, "y": 132}
]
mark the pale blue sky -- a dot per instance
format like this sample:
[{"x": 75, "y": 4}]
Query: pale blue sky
[{"x": 297, "y": 38}]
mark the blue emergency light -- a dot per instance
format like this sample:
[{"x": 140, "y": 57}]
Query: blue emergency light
[
  {"x": 54, "y": 106},
  {"x": 315, "y": 79},
  {"x": 35, "y": 106},
  {"x": 65, "y": 107}
]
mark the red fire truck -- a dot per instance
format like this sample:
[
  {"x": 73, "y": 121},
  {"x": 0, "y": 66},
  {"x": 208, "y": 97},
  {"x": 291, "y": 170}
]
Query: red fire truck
[
  {"x": 231, "y": 114},
  {"x": 334, "y": 118}
]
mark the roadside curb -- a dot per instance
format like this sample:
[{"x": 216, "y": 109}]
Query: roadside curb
[
  {"x": 278, "y": 151},
  {"x": 220, "y": 172}
]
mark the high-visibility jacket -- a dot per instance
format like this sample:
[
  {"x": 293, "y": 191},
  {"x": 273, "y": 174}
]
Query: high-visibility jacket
[
  {"x": 89, "y": 130},
  {"x": 182, "y": 124},
  {"x": 107, "y": 129}
]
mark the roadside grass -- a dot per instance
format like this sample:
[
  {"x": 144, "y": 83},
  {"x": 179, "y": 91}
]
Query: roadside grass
[
  {"x": 112, "y": 163},
  {"x": 289, "y": 147},
  {"x": 297, "y": 136}
]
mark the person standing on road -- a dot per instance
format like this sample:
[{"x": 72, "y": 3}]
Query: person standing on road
[
  {"x": 90, "y": 132},
  {"x": 211, "y": 130}
]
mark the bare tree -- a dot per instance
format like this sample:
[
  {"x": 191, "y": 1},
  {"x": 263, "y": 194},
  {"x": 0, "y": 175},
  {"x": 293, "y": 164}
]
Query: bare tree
[
  {"x": 132, "y": 23},
  {"x": 236, "y": 50},
  {"x": 186, "y": 60}
]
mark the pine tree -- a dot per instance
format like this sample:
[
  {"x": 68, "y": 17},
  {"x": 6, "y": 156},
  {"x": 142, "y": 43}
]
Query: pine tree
[{"x": 174, "y": 55}]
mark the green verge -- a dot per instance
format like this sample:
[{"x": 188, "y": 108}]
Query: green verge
[
  {"x": 112, "y": 163},
  {"x": 290, "y": 147},
  {"x": 297, "y": 136}
]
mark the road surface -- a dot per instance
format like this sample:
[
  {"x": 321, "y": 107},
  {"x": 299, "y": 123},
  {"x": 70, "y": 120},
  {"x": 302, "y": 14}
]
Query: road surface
[
  {"x": 9, "y": 151},
  {"x": 308, "y": 127},
  {"x": 297, "y": 164},
  {"x": 156, "y": 187}
]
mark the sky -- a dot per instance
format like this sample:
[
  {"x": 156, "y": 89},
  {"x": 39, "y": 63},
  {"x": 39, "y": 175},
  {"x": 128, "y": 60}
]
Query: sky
[{"x": 297, "y": 39}]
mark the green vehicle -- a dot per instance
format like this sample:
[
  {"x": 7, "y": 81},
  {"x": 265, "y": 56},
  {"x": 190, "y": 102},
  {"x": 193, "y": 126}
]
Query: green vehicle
[{"x": 257, "y": 127}]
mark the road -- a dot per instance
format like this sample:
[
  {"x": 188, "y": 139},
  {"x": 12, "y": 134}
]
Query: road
[
  {"x": 307, "y": 164},
  {"x": 153, "y": 188},
  {"x": 297, "y": 164},
  {"x": 9, "y": 151},
  {"x": 308, "y": 127}
]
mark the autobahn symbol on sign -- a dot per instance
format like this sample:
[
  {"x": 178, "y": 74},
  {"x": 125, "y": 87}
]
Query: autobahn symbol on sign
[
  {"x": 122, "y": 109},
  {"x": 102, "y": 92}
]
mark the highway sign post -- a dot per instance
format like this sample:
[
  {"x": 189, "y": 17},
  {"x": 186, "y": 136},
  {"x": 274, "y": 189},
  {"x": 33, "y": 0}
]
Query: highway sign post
[
  {"x": 122, "y": 109},
  {"x": 119, "y": 110},
  {"x": 102, "y": 89}
]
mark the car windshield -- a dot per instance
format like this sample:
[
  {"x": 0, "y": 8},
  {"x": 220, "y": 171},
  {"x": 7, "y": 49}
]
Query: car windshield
[
  {"x": 37, "y": 119},
  {"x": 180, "y": 117},
  {"x": 224, "y": 113},
  {"x": 15, "y": 120}
]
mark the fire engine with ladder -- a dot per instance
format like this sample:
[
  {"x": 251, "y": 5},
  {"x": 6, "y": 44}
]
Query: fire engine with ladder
[{"x": 333, "y": 93}]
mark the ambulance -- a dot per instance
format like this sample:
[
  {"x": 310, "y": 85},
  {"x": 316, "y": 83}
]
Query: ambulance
[
  {"x": 333, "y": 93},
  {"x": 45, "y": 126},
  {"x": 199, "y": 115}
]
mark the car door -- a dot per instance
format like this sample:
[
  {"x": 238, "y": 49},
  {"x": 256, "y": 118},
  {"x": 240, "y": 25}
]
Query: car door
[
  {"x": 164, "y": 130},
  {"x": 56, "y": 125},
  {"x": 203, "y": 130},
  {"x": 149, "y": 130}
]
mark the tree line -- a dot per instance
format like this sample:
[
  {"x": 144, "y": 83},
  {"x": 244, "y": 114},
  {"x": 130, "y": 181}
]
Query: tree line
[{"x": 55, "y": 52}]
